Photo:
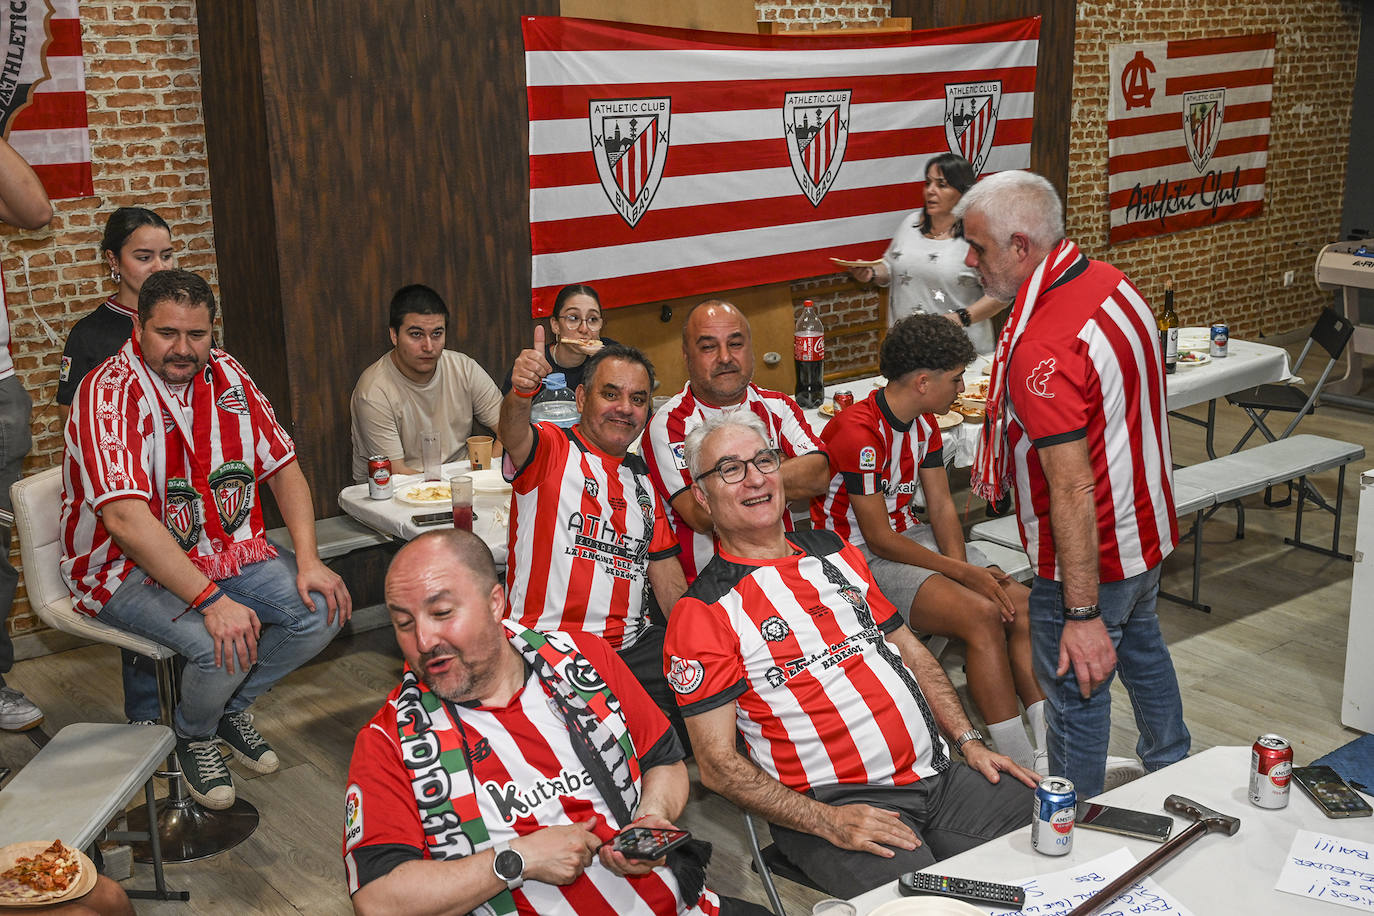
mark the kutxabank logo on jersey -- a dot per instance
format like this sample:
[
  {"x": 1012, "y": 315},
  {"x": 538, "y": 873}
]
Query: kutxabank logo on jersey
[
  {"x": 1204, "y": 111},
  {"x": 816, "y": 127},
  {"x": 971, "y": 119},
  {"x": 630, "y": 147}
]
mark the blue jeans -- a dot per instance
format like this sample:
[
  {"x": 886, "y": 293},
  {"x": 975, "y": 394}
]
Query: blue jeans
[
  {"x": 139, "y": 674},
  {"x": 16, "y": 407},
  {"x": 1079, "y": 728},
  {"x": 291, "y": 636}
]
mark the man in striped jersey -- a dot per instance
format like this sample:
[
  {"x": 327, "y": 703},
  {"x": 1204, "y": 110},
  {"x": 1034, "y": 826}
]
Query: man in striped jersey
[
  {"x": 496, "y": 776},
  {"x": 785, "y": 639},
  {"x": 162, "y": 532},
  {"x": 883, "y": 452},
  {"x": 588, "y": 535},
  {"x": 719, "y": 352},
  {"x": 1077, "y": 417}
]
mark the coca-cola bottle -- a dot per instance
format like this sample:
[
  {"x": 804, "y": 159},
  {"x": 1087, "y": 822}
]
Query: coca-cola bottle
[{"x": 808, "y": 349}]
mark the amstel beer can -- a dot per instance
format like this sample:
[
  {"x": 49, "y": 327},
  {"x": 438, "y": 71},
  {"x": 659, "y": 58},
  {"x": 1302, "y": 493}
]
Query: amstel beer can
[
  {"x": 1271, "y": 769},
  {"x": 1221, "y": 336},
  {"x": 379, "y": 477},
  {"x": 1052, "y": 816}
]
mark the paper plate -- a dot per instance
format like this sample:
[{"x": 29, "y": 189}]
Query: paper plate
[
  {"x": 828, "y": 408},
  {"x": 1195, "y": 358},
  {"x": 83, "y": 884},
  {"x": 947, "y": 420},
  {"x": 926, "y": 906},
  {"x": 425, "y": 493},
  {"x": 489, "y": 481}
]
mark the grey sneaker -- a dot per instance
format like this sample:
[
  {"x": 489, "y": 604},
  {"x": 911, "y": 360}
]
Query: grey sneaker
[
  {"x": 1121, "y": 770},
  {"x": 249, "y": 748},
  {"x": 17, "y": 712},
  {"x": 144, "y": 722},
  {"x": 207, "y": 778}
]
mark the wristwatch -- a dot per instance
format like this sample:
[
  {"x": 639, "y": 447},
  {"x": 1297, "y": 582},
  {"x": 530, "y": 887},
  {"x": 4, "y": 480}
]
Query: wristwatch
[
  {"x": 509, "y": 866},
  {"x": 972, "y": 734}
]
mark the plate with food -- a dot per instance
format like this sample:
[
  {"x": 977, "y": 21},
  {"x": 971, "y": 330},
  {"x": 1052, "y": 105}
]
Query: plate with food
[
  {"x": 828, "y": 408},
  {"x": 1193, "y": 358},
  {"x": 425, "y": 493},
  {"x": 977, "y": 390},
  {"x": 39, "y": 873},
  {"x": 948, "y": 420},
  {"x": 970, "y": 411},
  {"x": 851, "y": 265}
]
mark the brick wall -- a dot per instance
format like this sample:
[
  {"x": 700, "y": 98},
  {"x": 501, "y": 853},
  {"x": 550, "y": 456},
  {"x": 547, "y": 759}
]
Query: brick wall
[{"x": 148, "y": 149}]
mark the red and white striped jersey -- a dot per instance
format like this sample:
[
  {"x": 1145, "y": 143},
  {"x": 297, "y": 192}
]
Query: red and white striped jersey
[
  {"x": 1088, "y": 365},
  {"x": 583, "y": 527},
  {"x": 668, "y": 429},
  {"x": 528, "y": 777},
  {"x": 123, "y": 443},
  {"x": 871, "y": 451},
  {"x": 798, "y": 644}
]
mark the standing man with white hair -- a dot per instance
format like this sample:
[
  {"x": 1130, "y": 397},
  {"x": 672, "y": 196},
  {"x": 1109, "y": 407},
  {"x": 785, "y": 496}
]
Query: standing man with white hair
[{"x": 1076, "y": 410}]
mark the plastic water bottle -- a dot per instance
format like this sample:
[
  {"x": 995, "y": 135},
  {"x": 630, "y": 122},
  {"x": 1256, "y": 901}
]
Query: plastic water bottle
[
  {"x": 555, "y": 403},
  {"x": 808, "y": 349}
]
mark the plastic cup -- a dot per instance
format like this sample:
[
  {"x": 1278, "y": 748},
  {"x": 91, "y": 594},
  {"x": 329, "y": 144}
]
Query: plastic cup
[
  {"x": 833, "y": 906},
  {"x": 479, "y": 452},
  {"x": 430, "y": 459},
  {"x": 460, "y": 491}
]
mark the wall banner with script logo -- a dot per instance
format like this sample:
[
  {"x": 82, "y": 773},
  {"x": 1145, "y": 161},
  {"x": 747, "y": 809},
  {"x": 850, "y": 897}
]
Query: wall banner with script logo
[
  {"x": 1188, "y": 133},
  {"x": 672, "y": 162}
]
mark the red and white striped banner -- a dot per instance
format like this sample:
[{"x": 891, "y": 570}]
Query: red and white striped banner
[
  {"x": 43, "y": 93},
  {"x": 1188, "y": 133},
  {"x": 671, "y": 162}
]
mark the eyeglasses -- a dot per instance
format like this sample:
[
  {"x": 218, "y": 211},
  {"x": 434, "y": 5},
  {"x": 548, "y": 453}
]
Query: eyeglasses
[
  {"x": 732, "y": 470},
  {"x": 571, "y": 321}
]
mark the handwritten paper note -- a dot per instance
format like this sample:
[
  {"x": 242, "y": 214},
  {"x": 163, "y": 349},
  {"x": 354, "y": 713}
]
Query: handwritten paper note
[
  {"x": 1329, "y": 868},
  {"x": 1059, "y": 892}
]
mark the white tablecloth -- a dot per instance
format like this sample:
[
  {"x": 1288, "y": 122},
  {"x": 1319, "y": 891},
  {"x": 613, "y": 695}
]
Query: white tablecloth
[
  {"x": 1249, "y": 364},
  {"x": 1217, "y": 874},
  {"x": 393, "y": 517}
]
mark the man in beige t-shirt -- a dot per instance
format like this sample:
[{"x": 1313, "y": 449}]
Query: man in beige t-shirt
[{"x": 419, "y": 387}]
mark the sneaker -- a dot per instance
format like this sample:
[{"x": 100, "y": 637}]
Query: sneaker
[
  {"x": 17, "y": 712},
  {"x": 1042, "y": 762},
  {"x": 144, "y": 722},
  {"x": 207, "y": 778},
  {"x": 236, "y": 730},
  {"x": 1121, "y": 770}
]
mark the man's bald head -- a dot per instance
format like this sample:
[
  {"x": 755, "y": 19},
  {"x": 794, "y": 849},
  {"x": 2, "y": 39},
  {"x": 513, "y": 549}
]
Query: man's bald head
[
  {"x": 462, "y": 547},
  {"x": 719, "y": 350}
]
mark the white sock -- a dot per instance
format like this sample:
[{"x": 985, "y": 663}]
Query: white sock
[
  {"x": 1010, "y": 738},
  {"x": 1035, "y": 715}
]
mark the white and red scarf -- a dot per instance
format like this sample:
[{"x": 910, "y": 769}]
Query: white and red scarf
[
  {"x": 203, "y": 472},
  {"x": 992, "y": 470}
]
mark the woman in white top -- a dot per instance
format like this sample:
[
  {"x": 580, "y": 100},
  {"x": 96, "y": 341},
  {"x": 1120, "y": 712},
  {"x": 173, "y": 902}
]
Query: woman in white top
[{"x": 924, "y": 264}]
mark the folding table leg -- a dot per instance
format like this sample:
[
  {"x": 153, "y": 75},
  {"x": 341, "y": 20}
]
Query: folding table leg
[
  {"x": 1304, "y": 489},
  {"x": 1193, "y": 602}
]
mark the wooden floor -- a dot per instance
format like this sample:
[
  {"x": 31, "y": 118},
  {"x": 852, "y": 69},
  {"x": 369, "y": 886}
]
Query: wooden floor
[{"x": 1270, "y": 657}]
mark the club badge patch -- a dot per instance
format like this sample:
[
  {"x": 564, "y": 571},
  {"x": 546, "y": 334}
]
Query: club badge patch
[
  {"x": 685, "y": 675},
  {"x": 868, "y": 458},
  {"x": 353, "y": 815},
  {"x": 1204, "y": 111},
  {"x": 182, "y": 512},
  {"x": 680, "y": 456},
  {"x": 66, "y": 372},
  {"x": 232, "y": 486},
  {"x": 971, "y": 119},
  {"x": 816, "y": 128},
  {"x": 234, "y": 401},
  {"x": 630, "y": 147}
]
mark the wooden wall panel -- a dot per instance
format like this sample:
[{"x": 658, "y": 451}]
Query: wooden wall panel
[{"x": 1054, "y": 70}]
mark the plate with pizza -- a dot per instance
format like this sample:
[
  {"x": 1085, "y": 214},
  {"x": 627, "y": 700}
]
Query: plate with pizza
[{"x": 38, "y": 873}]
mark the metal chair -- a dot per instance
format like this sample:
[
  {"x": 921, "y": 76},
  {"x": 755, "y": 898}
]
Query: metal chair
[
  {"x": 768, "y": 861},
  {"x": 186, "y": 830}
]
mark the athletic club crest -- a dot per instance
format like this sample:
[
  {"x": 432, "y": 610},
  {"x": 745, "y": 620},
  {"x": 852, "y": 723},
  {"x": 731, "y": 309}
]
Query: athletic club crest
[
  {"x": 1203, "y": 114},
  {"x": 234, "y": 401},
  {"x": 630, "y": 147},
  {"x": 181, "y": 512},
  {"x": 816, "y": 127},
  {"x": 232, "y": 486},
  {"x": 971, "y": 119}
]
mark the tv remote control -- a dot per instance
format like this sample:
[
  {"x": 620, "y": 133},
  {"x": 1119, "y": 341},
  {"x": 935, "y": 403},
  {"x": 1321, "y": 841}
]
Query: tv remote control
[{"x": 1006, "y": 896}]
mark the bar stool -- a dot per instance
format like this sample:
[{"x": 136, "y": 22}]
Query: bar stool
[{"x": 187, "y": 831}]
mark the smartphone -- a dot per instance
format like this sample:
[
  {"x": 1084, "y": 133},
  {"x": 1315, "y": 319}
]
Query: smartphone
[
  {"x": 1331, "y": 793},
  {"x": 432, "y": 518},
  {"x": 1139, "y": 824},
  {"x": 648, "y": 843}
]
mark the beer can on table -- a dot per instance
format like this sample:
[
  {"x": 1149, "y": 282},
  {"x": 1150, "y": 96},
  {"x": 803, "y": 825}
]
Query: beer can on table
[
  {"x": 1052, "y": 815},
  {"x": 843, "y": 400},
  {"x": 379, "y": 477},
  {"x": 1271, "y": 770},
  {"x": 1221, "y": 336}
]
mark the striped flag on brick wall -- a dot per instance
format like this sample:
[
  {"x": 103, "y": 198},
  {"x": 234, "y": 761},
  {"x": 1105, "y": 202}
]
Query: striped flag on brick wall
[
  {"x": 43, "y": 93},
  {"x": 670, "y": 162},
  {"x": 1188, "y": 133}
]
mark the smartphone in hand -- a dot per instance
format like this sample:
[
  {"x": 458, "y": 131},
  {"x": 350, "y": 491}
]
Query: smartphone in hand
[{"x": 648, "y": 843}]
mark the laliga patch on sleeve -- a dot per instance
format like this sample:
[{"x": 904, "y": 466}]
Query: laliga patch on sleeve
[
  {"x": 868, "y": 458},
  {"x": 66, "y": 368},
  {"x": 685, "y": 675},
  {"x": 1038, "y": 382},
  {"x": 680, "y": 455},
  {"x": 353, "y": 816}
]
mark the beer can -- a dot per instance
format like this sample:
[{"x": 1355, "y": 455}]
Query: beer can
[
  {"x": 1052, "y": 815},
  {"x": 379, "y": 477},
  {"x": 1221, "y": 336},
  {"x": 843, "y": 400},
  {"x": 1271, "y": 769}
]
